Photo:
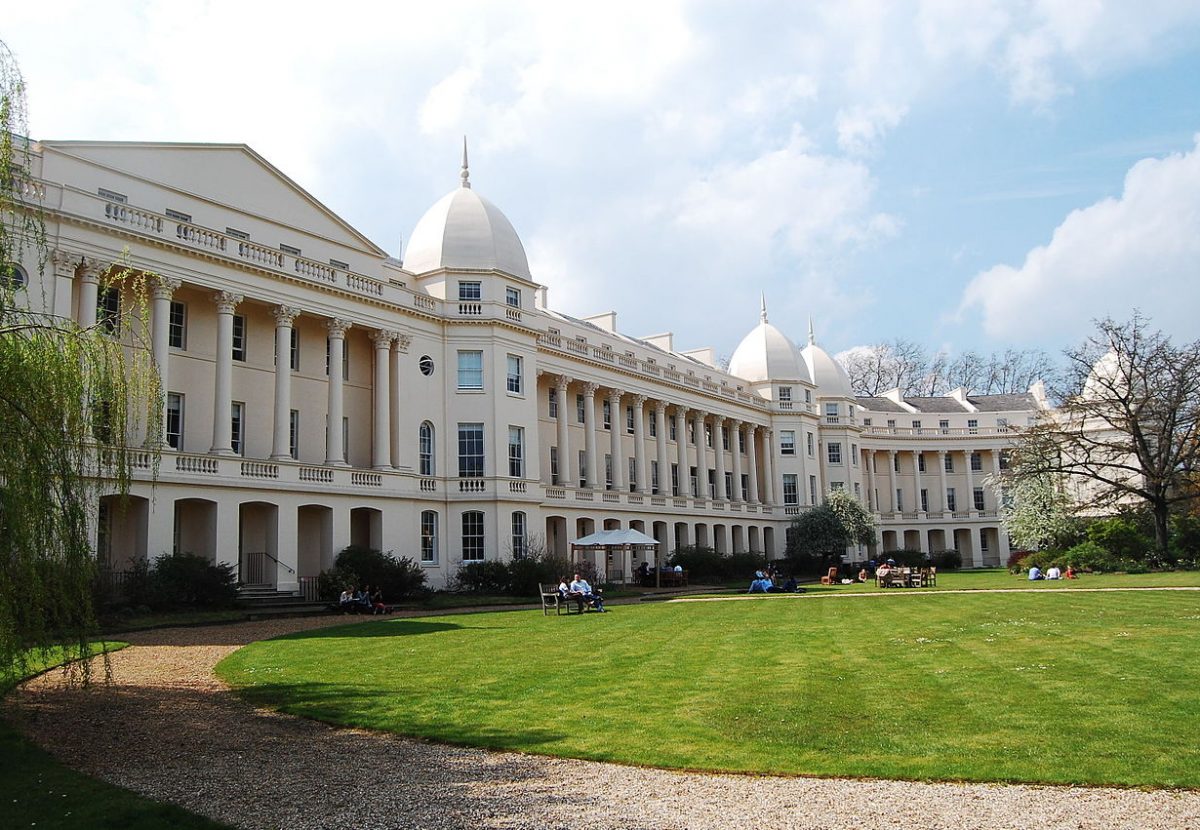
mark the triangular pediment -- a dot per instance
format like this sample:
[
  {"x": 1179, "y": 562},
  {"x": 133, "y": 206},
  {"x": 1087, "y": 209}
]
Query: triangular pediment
[{"x": 232, "y": 175}]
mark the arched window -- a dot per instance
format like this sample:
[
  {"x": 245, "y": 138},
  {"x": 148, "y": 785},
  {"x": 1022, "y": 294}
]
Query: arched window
[
  {"x": 13, "y": 276},
  {"x": 429, "y": 537},
  {"x": 425, "y": 449},
  {"x": 472, "y": 536}
]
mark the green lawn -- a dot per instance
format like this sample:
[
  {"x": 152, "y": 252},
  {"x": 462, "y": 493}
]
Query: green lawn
[
  {"x": 1100, "y": 688},
  {"x": 37, "y": 791}
]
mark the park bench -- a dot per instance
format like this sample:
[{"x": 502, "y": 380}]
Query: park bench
[{"x": 551, "y": 598}]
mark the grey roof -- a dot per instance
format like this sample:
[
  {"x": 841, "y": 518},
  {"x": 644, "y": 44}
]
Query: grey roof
[
  {"x": 880, "y": 405},
  {"x": 1003, "y": 403},
  {"x": 940, "y": 405}
]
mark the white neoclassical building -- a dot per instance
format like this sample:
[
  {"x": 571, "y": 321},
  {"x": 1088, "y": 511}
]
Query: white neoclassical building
[{"x": 322, "y": 393}]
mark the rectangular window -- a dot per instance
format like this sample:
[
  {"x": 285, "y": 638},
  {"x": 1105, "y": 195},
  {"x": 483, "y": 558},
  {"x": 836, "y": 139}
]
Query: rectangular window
[
  {"x": 694, "y": 482},
  {"x": 924, "y": 499},
  {"x": 725, "y": 439},
  {"x": 808, "y": 396},
  {"x": 831, "y": 413},
  {"x": 972, "y": 426},
  {"x": 289, "y": 249},
  {"x": 983, "y": 539},
  {"x": 712, "y": 484},
  {"x": 554, "y": 465},
  {"x": 553, "y": 398},
  {"x": 606, "y": 413},
  {"x": 790, "y": 494},
  {"x": 854, "y": 454},
  {"x": 345, "y": 438},
  {"x": 512, "y": 297},
  {"x": 583, "y": 468},
  {"x": 916, "y": 425},
  {"x": 177, "y": 333},
  {"x": 835, "y": 452},
  {"x": 1002, "y": 425},
  {"x": 629, "y": 420},
  {"x": 633, "y": 475},
  {"x": 921, "y": 462},
  {"x": 745, "y": 487},
  {"x": 470, "y": 450},
  {"x": 579, "y": 407},
  {"x": 812, "y": 445},
  {"x": 729, "y": 491},
  {"x": 239, "y": 337},
  {"x": 674, "y": 479},
  {"x": 741, "y": 441},
  {"x": 812, "y": 489},
  {"x": 891, "y": 424},
  {"x": 174, "y": 426},
  {"x": 472, "y": 536},
  {"x": 866, "y": 422},
  {"x": 514, "y": 381},
  {"x": 653, "y": 424},
  {"x": 785, "y": 394},
  {"x": 787, "y": 442},
  {"x": 899, "y": 500},
  {"x": 951, "y": 503},
  {"x": 654, "y": 478},
  {"x": 976, "y": 463},
  {"x": 516, "y": 452},
  {"x": 470, "y": 291},
  {"x": 237, "y": 423},
  {"x": 294, "y": 433},
  {"x": 294, "y": 356},
  {"x": 835, "y": 486},
  {"x": 608, "y": 471},
  {"x": 708, "y": 441},
  {"x": 944, "y": 426},
  {"x": 949, "y": 463},
  {"x": 857, "y": 491},
  {"x": 672, "y": 429},
  {"x": 470, "y": 370},
  {"x": 519, "y": 547},
  {"x": 236, "y": 234},
  {"x": 896, "y": 462},
  {"x": 978, "y": 498},
  {"x": 429, "y": 537},
  {"x": 1003, "y": 460},
  {"x": 108, "y": 309},
  {"x": 425, "y": 449}
]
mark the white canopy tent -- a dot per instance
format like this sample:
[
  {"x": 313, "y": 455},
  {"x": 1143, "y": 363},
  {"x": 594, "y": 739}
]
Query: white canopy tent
[{"x": 626, "y": 541}]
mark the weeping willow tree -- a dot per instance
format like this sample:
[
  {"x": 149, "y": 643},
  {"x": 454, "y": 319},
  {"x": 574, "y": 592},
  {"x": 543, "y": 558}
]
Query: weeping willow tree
[{"x": 73, "y": 401}]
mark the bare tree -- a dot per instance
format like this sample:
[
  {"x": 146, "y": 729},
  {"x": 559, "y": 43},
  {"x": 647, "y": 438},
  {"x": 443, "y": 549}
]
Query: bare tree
[
  {"x": 908, "y": 366},
  {"x": 1126, "y": 428}
]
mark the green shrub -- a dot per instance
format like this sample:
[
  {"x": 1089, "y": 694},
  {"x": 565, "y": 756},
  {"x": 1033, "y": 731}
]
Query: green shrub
[
  {"x": 946, "y": 560},
  {"x": 1122, "y": 536},
  {"x": 907, "y": 557},
  {"x": 707, "y": 565},
  {"x": 486, "y": 577},
  {"x": 397, "y": 578},
  {"x": 1091, "y": 556},
  {"x": 188, "y": 580},
  {"x": 1184, "y": 543}
]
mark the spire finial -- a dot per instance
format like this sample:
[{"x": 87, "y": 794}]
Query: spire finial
[
  {"x": 762, "y": 315},
  {"x": 812, "y": 338},
  {"x": 465, "y": 173}
]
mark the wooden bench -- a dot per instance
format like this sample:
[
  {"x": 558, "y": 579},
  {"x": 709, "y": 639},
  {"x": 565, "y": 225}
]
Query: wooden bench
[{"x": 551, "y": 598}]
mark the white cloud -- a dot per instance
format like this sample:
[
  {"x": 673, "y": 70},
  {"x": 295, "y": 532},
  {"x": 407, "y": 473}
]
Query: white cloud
[{"x": 1136, "y": 251}]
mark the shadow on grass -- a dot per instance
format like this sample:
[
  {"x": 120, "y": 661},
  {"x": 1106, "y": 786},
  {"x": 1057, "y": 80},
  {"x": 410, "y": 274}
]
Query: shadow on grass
[{"x": 377, "y": 628}]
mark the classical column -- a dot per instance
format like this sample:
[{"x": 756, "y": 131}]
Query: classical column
[
  {"x": 719, "y": 449},
  {"x": 892, "y": 500},
  {"x": 335, "y": 452},
  {"x": 639, "y": 444},
  {"x": 941, "y": 462},
  {"x": 995, "y": 472},
  {"x": 281, "y": 444},
  {"x": 735, "y": 443},
  {"x": 681, "y": 434},
  {"x": 565, "y": 463},
  {"x": 664, "y": 465},
  {"x": 917, "y": 478},
  {"x": 614, "y": 439},
  {"x": 381, "y": 438},
  {"x": 970, "y": 486},
  {"x": 223, "y": 393},
  {"x": 89, "y": 291},
  {"x": 402, "y": 344},
  {"x": 752, "y": 457},
  {"x": 768, "y": 466},
  {"x": 872, "y": 499},
  {"x": 589, "y": 432},
  {"x": 160, "y": 341},
  {"x": 701, "y": 455}
]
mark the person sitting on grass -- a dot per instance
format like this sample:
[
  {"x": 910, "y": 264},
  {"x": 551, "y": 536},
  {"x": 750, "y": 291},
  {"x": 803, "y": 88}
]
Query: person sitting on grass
[
  {"x": 346, "y": 600},
  {"x": 791, "y": 586},
  {"x": 1053, "y": 572},
  {"x": 762, "y": 585},
  {"x": 362, "y": 600},
  {"x": 580, "y": 586},
  {"x": 1071, "y": 573},
  {"x": 1035, "y": 573},
  {"x": 377, "y": 604},
  {"x": 862, "y": 575}
]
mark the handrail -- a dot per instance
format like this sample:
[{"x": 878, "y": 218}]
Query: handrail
[{"x": 271, "y": 556}]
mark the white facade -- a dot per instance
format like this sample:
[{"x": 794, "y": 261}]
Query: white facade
[{"x": 467, "y": 417}]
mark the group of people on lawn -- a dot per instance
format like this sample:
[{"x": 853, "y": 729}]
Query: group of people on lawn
[
  {"x": 1053, "y": 572},
  {"x": 362, "y": 601},
  {"x": 768, "y": 581},
  {"x": 578, "y": 590}
]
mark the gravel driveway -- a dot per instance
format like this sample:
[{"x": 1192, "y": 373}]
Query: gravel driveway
[{"x": 168, "y": 729}]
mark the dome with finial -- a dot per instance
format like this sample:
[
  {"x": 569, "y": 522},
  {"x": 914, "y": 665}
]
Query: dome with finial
[
  {"x": 829, "y": 375},
  {"x": 465, "y": 230},
  {"x": 766, "y": 354}
]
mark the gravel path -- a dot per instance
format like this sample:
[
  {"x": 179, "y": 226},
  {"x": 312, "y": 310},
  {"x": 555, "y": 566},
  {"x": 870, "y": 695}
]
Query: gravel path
[{"x": 167, "y": 728}]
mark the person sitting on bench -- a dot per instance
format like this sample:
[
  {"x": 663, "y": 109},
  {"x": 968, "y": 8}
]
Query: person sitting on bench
[
  {"x": 579, "y": 586},
  {"x": 566, "y": 594}
]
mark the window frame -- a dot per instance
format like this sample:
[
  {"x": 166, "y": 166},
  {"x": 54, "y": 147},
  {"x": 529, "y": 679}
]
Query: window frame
[
  {"x": 516, "y": 451},
  {"x": 238, "y": 349},
  {"x": 514, "y": 381},
  {"x": 471, "y": 450},
  {"x": 429, "y": 537},
  {"x": 426, "y": 464},
  {"x": 467, "y": 373},
  {"x": 473, "y": 536},
  {"x": 833, "y": 452},
  {"x": 179, "y": 398},
  {"x": 177, "y": 325}
]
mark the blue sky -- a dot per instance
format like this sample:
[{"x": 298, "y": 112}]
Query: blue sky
[{"x": 981, "y": 175}]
